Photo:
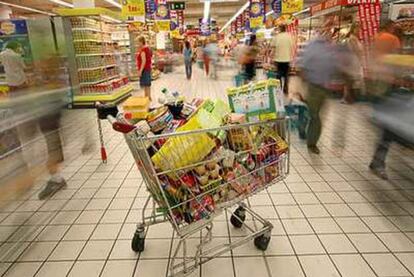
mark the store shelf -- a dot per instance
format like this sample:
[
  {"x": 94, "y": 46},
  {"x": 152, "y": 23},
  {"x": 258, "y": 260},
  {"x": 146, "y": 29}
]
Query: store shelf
[
  {"x": 115, "y": 97},
  {"x": 90, "y": 29},
  {"x": 99, "y": 81},
  {"x": 14, "y": 36},
  {"x": 98, "y": 67},
  {"x": 94, "y": 54},
  {"x": 92, "y": 40}
]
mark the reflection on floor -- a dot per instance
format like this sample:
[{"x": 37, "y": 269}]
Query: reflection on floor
[{"x": 331, "y": 217}]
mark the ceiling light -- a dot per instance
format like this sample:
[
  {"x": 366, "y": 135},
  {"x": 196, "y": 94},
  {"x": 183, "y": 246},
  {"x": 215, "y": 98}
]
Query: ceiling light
[
  {"x": 207, "y": 5},
  {"x": 62, "y": 3},
  {"x": 26, "y": 8},
  {"x": 113, "y": 3},
  {"x": 245, "y": 6}
]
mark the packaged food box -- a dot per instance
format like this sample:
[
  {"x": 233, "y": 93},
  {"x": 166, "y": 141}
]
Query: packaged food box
[{"x": 137, "y": 106}]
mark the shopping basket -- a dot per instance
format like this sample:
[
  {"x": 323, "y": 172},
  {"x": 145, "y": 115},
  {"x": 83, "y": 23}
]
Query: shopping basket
[
  {"x": 247, "y": 159},
  {"x": 299, "y": 117}
]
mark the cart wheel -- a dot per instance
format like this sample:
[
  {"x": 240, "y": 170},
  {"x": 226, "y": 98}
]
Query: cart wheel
[
  {"x": 262, "y": 242},
  {"x": 238, "y": 217},
  {"x": 138, "y": 243}
]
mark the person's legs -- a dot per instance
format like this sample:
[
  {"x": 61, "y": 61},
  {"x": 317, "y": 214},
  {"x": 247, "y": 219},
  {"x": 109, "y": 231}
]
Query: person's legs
[
  {"x": 378, "y": 161},
  {"x": 283, "y": 72},
  {"x": 49, "y": 125},
  {"x": 315, "y": 100},
  {"x": 145, "y": 83},
  {"x": 190, "y": 69},
  {"x": 207, "y": 66}
]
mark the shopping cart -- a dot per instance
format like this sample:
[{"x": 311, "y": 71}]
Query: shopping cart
[{"x": 245, "y": 159}]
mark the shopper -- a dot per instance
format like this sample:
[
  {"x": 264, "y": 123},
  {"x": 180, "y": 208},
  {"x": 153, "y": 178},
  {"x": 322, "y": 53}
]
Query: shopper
[
  {"x": 212, "y": 50},
  {"x": 14, "y": 66},
  {"x": 144, "y": 64},
  {"x": 206, "y": 58},
  {"x": 317, "y": 69},
  {"x": 188, "y": 59},
  {"x": 248, "y": 59},
  {"x": 283, "y": 46},
  {"x": 200, "y": 55}
]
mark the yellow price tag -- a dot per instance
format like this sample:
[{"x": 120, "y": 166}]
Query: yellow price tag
[
  {"x": 291, "y": 6},
  {"x": 163, "y": 25},
  {"x": 133, "y": 8}
]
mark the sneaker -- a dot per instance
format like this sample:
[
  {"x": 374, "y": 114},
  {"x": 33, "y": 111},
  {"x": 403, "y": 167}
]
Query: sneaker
[
  {"x": 378, "y": 171},
  {"x": 51, "y": 188},
  {"x": 314, "y": 149}
]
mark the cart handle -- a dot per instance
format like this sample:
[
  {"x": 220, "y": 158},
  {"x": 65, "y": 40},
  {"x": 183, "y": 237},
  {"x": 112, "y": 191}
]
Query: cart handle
[{"x": 110, "y": 112}]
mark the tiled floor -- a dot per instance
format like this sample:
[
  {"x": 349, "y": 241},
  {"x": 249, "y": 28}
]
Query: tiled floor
[{"x": 331, "y": 216}]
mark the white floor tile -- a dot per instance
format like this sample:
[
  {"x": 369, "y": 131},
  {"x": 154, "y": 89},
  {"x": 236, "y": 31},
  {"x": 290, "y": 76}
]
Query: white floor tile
[
  {"x": 283, "y": 267},
  {"x": 54, "y": 269},
  {"x": 67, "y": 250},
  {"x": 307, "y": 245},
  {"x": 246, "y": 267},
  {"x": 318, "y": 266},
  {"x": 352, "y": 266},
  {"x": 119, "y": 268},
  {"x": 386, "y": 265},
  {"x": 337, "y": 244},
  {"x": 86, "y": 269},
  {"x": 96, "y": 250}
]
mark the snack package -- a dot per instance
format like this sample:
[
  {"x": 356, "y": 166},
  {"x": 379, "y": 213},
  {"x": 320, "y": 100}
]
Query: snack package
[
  {"x": 240, "y": 139},
  {"x": 137, "y": 106},
  {"x": 181, "y": 151},
  {"x": 159, "y": 119}
]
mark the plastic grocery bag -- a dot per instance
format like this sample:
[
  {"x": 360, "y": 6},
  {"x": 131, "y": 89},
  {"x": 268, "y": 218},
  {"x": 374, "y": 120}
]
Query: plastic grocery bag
[{"x": 184, "y": 150}]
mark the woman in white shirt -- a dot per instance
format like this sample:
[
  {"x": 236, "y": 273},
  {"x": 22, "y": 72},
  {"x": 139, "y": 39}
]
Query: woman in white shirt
[{"x": 14, "y": 66}]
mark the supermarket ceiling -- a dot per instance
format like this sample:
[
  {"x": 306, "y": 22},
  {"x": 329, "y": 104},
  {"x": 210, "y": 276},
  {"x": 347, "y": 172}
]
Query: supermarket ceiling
[{"x": 222, "y": 10}]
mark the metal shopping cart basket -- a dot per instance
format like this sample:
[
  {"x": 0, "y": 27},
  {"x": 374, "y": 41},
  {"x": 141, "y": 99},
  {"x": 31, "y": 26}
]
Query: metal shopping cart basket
[{"x": 244, "y": 160}]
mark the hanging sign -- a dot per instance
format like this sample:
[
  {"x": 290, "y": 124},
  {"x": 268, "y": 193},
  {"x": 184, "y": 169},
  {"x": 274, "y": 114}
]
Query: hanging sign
[
  {"x": 150, "y": 9},
  {"x": 276, "y": 7},
  {"x": 257, "y": 13},
  {"x": 162, "y": 16},
  {"x": 205, "y": 28},
  {"x": 239, "y": 24},
  {"x": 369, "y": 18},
  {"x": 291, "y": 6},
  {"x": 133, "y": 8},
  {"x": 233, "y": 27},
  {"x": 246, "y": 17}
]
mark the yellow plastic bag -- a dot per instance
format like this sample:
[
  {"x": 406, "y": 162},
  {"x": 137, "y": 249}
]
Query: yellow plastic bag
[{"x": 185, "y": 150}]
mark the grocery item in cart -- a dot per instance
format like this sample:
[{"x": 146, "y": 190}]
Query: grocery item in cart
[
  {"x": 159, "y": 119},
  {"x": 181, "y": 151},
  {"x": 137, "y": 107}
]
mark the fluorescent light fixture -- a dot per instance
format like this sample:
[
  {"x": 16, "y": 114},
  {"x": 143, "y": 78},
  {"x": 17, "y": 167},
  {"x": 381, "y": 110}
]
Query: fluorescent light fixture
[
  {"x": 26, "y": 8},
  {"x": 113, "y": 3},
  {"x": 206, "y": 15},
  {"x": 239, "y": 12},
  {"x": 62, "y": 3}
]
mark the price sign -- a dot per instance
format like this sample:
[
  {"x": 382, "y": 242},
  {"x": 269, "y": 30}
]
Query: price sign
[{"x": 133, "y": 8}]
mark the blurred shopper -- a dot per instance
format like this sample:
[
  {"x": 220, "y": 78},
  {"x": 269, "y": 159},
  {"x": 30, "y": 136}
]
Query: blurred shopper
[
  {"x": 120, "y": 62},
  {"x": 188, "y": 59},
  {"x": 212, "y": 51},
  {"x": 144, "y": 64},
  {"x": 283, "y": 45},
  {"x": 356, "y": 83},
  {"x": 206, "y": 59},
  {"x": 317, "y": 69},
  {"x": 392, "y": 105},
  {"x": 12, "y": 61},
  {"x": 248, "y": 59},
  {"x": 200, "y": 55}
]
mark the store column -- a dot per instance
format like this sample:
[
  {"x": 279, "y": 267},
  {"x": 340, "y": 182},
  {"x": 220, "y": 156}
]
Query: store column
[{"x": 84, "y": 3}]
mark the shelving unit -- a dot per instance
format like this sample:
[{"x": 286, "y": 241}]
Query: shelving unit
[{"x": 95, "y": 70}]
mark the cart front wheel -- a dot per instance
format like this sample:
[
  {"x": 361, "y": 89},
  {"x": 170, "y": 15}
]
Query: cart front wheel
[
  {"x": 238, "y": 217},
  {"x": 138, "y": 243},
  {"x": 262, "y": 242}
]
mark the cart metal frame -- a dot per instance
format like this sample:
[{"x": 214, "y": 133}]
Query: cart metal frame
[{"x": 139, "y": 143}]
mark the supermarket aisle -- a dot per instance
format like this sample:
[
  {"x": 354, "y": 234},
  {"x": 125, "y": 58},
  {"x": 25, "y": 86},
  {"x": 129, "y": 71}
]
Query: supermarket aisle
[{"x": 331, "y": 217}]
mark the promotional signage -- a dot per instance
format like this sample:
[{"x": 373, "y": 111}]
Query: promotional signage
[
  {"x": 150, "y": 7},
  {"x": 162, "y": 16},
  {"x": 332, "y": 4},
  {"x": 246, "y": 18},
  {"x": 257, "y": 13},
  {"x": 205, "y": 29},
  {"x": 276, "y": 7},
  {"x": 233, "y": 27},
  {"x": 292, "y": 6},
  {"x": 133, "y": 8},
  {"x": 369, "y": 18},
  {"x": 175, "y": 6}
]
